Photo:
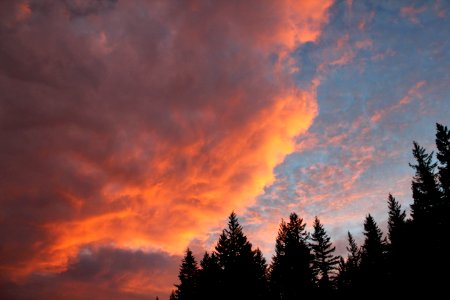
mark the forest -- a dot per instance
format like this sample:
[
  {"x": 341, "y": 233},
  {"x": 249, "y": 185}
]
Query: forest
[{"x": 411, "y": 259}]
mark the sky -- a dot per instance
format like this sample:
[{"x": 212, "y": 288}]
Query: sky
[{"x": 131, "y": 129}]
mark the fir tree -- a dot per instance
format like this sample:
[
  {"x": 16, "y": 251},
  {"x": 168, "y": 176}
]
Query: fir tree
[
  {"x": 240, "y": 278},
  {"x": 290, "y": 272},
  {"x": 426, "y": 221},
  {"x": 261, "y": 275},
  {"x": 442, "y": 227},
  {"x": 396, "y": 222},
  {"x": 324, "y": 262},
  {"x": 398, "y": 254},
  {"x": 443, "y": 155},
  {"x": 210, "y": 276},
  {"x": 424, "y": 187},
  {"x": 188, "y": 276},
  {"x": 349, "y": 270},
  {"x": 372, "y": 256}
]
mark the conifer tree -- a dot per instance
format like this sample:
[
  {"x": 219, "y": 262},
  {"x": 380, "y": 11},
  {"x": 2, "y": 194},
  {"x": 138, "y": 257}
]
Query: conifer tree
[
  {"x": 240, "y": 278},
  {"x": 324, "y": 261},
  {"x": 188, "y": 276},
  {"x": 349, "y": 270},
  {"x": 443, "y": 155},
  {"x": 290, "y": 273},
  {"x": 262, "y": 288},
  {"x": 424, "y": 187},
  {"x": 372, "y": 256},
  {"x": 210, "y": 276},
  {"x": 398, "y": 254},
  {"x": 396, "y": 222},
  {"x": 426, "y": 219},
  {"x": 443, "y": 206}
]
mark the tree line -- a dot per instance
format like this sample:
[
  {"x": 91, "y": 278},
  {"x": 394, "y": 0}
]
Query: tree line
[{"x": 411, "y": 260}]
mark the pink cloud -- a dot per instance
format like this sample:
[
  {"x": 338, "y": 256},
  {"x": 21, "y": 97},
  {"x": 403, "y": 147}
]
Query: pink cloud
[{"x": 141, "y": 124}]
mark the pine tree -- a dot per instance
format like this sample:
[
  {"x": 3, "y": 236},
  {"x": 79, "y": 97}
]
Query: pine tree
[
  {"x": 372, "y": 256},
  {"x": 261, "y": 275},
  {"x": 188, "y": 276},
  {"x": 396, "y": 222},
  {"x": 210, "y": 276},
  {"x": 349, "y": 270},
  {"x": 240, "y": 278},
  {"x": 424, "y": 187},
  {"x": 354, "y": 256},
  {"x": 290, "y": 273},
  {"x": 443, "y": 155},
  {"x": 324, "y": 262},
  {"x": 398, "y": 254},
  {"x": 442, "y": 227},
  {"x": 426, "y": 220}
]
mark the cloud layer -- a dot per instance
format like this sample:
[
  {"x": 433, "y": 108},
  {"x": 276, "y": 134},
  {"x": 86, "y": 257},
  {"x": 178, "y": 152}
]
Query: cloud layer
[{"x": 139, "y": 125}]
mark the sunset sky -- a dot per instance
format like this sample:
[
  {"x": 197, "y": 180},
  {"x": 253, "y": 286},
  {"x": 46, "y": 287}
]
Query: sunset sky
[{"x": 131, "y": 129}]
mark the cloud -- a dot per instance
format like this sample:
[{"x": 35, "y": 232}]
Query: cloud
[
  {"x": 413, "y": 92},
  {"x": 101, "y": 273},
  {"x": 141, "y": 124},
  {"x": 411, "y": 12}
]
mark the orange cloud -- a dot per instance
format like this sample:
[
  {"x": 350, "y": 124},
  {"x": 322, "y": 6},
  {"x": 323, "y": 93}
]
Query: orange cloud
[{"x": 145, "y": 123}]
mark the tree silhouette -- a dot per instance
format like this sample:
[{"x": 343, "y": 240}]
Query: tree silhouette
[
  {"x": 424, "y": 187},
  {"x": 187, "y": 289},
  {"x": 398, "y": 255},
  {"x": 240, "y": 268},
  {"x": 443, "y": 155},
  {"x": 372, "y": 256},
  {"x": 349, "y": 270},
  {"x": 425, "y": 217},
  {"x": 291, "y": 276},
  {"x": 442, "y": 216},
  {"x": 261, "y": 275},
  {"x": 210, "y": 276},
  {"x": 324, "y": 262},
  {"x": 396, "y": 222}
]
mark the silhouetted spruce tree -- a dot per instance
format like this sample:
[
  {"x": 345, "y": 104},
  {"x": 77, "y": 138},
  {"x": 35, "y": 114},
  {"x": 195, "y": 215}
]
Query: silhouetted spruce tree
[
  {"x": 349, "y": 270},
  {"x": 324, "y": 261},
  {"x": 398, "y": 254},
  {"x": 425, "y": 189},
  {"x": 188, "y": 276},
  {"x": 396, "y": 222},
  {"x": 210, "y": 276},
  {"x": 291, "y": 276},
  {"x": 425, "y": 219},
  {"x": 443, "y": 155},
  {"x": 240, "y": 278},
  {"x": 372, "y": 257},
  {"x": 173, "y": 296},
  {"x": 262, "y": 287},
  {"x": 443, "y": 206}
]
